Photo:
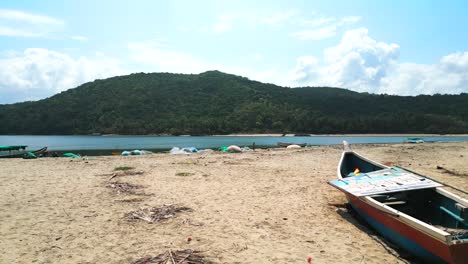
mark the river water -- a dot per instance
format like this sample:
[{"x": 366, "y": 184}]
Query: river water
[{"x": 93, "y": 143}]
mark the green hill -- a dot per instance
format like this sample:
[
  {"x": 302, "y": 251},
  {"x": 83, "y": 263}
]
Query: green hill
[{"x": 219, "y": 103}]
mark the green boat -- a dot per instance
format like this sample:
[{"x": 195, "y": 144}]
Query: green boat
[
  {"x": 414, "y": 140},
  {"x": 18, "y": 151}
]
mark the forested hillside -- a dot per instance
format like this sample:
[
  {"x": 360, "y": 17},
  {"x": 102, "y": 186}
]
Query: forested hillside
[{"x": 219, "y": 103}]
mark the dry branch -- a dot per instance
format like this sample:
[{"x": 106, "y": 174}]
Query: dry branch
[{"x": 187, "y": 256}]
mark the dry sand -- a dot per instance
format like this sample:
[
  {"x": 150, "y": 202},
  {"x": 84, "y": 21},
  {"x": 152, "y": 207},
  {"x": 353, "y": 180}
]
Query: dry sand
[{"x": 270, "y": 206}]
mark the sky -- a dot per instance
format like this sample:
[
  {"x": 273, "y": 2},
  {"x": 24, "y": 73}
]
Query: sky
[{"x": 392, "y": 47}]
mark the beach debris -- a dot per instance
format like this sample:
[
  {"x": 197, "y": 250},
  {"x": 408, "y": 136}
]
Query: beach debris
[
  {"x": 71, "y": 155},
  {"x": 293, "y": 146},
  {"x": 131, "y": 200},
  {"x": 123, "y": 168},
  {"x": 191, "y": 149},
  {"x": 136, "y": 152},
  {"x": 389, "y": 163},
  {"x": 246, "y": 149},
  {"x": 189, "y": 238},
  {"x": 451, "y": 172},
  {"x": 184, "y": 174},
  {"x": 186, "y": 256},
  {"x": 178, "y": 151},
  {"x": 309, "y": 260},
  {"x": 125, "y": 173},
  {"x": 234, "y": 148},
  {"x": 157, "y": 214},
  {"x": 191, "y": 222},
  {"x": 125, "y": 188},
  {"x": 186, "y": 150}
]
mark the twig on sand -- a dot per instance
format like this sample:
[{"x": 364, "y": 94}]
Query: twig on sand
[
  {"x": 123, "y": 173},
  {"x": 156, "y": 214},
  {"x": 187, "y": 256},
  {"x": 65, "y": 212},
  {"x": 172, "y": 258},
  {"x": 451, "y": 172}
]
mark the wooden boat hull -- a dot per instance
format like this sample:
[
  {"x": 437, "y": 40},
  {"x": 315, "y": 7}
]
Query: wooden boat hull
[
  {"x": 20, "y": 155},
  {"x": 417, "y": 232},
  {"x": 411, "y": 239}
]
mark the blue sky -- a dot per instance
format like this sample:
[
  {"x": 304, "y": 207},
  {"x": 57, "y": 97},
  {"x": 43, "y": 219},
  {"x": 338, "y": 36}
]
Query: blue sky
[{"x": 393, "y": 47}]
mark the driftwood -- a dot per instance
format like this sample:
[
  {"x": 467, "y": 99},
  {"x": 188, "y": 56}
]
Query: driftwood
[
  {"x": 187, "y": 256},
  {"x": 156, "y": 214}
]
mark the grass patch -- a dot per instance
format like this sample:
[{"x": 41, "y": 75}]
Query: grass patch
[
  {"x": 184, "y": 174},
  {"x": 123, "y": 168}
]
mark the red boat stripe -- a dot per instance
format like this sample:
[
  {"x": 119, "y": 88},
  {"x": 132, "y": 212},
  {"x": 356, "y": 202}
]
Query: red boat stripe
[{"x": 431, "y": 244}]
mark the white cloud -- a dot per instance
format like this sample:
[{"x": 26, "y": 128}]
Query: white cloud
[
  {"x": 79, "y": 38},
  {"x": 14, "y": 23},
  {"x": 363, "y": 64},
  {"x": 449, "y": 75},
  {"x": 39, "y": 73},
  {"x": 318, "y": 21},
  {"x": 323, "y": 27},
  {"x": 351, "y": 19},
  {"x": 27, "y": 17}
]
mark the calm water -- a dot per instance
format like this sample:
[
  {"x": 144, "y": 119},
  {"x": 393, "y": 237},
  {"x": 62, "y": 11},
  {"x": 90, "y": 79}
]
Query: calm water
[{"x": 61, "y": 143}]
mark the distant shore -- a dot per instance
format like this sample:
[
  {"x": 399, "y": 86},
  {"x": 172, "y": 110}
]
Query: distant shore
[{"x": 345, "y": 135}]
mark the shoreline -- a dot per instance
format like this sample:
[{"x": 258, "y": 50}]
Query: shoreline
[
  {"x": 263, "y": 135},
  {"x": 348, "y": 135}
]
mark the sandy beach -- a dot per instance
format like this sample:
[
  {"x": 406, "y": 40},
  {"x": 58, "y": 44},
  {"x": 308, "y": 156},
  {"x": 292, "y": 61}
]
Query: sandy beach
[{"x": 267, "y": 206}]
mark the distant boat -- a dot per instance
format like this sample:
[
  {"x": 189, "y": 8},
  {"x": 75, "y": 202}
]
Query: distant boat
[
  {"x": 414, "y": 140},
  {"x": 18, "y": 151},
  {"x": 285, "y": 144},
  {"x": 410, "y": 210}
]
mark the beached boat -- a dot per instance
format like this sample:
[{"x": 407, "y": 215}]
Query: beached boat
[
  {"x": 410, "y": 210},
  {"x": 285, "y": 144},
  {"x": 18, "y": 151},
  {"x": 414, "y": 140}
]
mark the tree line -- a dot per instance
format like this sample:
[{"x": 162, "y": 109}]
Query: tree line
[{"x": 218, "y": 103}]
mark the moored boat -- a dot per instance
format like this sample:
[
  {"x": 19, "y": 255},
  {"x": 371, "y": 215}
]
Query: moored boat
[
  {"x": 414, "y": 140},
  {"x": 18, "y": 151},
  {"x": 411, "y": 210}
]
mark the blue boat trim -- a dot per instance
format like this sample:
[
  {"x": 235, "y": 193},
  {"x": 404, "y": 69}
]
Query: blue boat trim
[{"x": 407, "y": 244}]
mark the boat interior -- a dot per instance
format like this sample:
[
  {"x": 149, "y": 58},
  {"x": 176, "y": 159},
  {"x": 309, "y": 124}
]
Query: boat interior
[
  {"x": 351, "y": 161},
  {"x": 431, "y": 207}
]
